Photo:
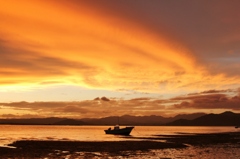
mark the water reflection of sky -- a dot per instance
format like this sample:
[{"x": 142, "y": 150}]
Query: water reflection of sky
[{"x": 10, "y": 133}]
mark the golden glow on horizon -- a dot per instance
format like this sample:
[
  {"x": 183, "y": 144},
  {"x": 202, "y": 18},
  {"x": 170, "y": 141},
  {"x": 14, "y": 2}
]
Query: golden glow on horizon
[{"x": 17, "y": 111}]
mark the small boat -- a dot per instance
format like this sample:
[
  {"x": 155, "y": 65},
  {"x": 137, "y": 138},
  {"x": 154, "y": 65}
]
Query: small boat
[{"x": 119, "y": 131}]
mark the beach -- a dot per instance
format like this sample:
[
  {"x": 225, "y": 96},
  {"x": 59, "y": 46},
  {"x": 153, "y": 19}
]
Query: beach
[{"x": 134, "y": 148}]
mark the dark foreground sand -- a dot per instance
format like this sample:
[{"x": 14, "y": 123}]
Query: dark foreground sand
[{"x": 84, "y": 149}]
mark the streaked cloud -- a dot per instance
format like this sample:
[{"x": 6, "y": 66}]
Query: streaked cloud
[
  {"x": 89, "y": 48},
  {"x": 124, "y": 47},
  {"x": 211, "y": 100}
]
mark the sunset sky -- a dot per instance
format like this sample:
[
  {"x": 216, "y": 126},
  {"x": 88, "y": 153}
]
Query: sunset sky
[{"x": 92, "y": 58}]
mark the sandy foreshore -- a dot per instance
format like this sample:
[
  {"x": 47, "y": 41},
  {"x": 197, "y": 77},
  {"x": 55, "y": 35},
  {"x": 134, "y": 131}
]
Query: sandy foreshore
[
  {"x": 55, "y": 149},
  {"x": 103, "y": 149}
]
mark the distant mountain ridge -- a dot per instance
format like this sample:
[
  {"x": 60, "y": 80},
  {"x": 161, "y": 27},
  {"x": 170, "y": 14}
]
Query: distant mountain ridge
[
  {"x": 139, "y": 120},
  {"x": 224, "y": 119},
  {"x": 196, "y": 119},
  {"x": 111, "y": 120}
]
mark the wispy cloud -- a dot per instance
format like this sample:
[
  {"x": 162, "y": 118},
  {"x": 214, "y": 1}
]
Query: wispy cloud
[
  {"x": 217, "y": 100},
  {"x": 158, "y": 47},
  {"x": 94, "y": 50},
  {"x": 212, "y": 99}
]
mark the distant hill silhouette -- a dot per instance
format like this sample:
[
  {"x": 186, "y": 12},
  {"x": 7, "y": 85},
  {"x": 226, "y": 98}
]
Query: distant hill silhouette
[
  {"x": 139, "y": 120},
  {"x": 197, "y": 119},
  {"x": 224, "y": 119},
  {"x": 112, "y": 120}
]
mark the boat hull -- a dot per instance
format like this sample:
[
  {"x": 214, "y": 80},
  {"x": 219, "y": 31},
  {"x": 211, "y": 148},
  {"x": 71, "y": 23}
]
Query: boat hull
[{"x": 122, "y": 131}]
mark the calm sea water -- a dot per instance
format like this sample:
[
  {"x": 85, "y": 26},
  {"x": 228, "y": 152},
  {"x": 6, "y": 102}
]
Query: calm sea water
[{"x": 11, "y": 133}]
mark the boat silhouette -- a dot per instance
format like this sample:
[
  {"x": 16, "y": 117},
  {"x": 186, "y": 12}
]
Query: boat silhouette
[{"x": 119, "y": 131}]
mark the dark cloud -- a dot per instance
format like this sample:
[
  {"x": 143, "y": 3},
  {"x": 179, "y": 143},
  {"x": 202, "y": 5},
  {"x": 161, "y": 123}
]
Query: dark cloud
[
  {"x": 213, "y": 91},
  {"x": 198, "y": 96},
  {"x": 72, "y": 109},
  {"x": 102, "y": 107},
  {"x": 35, "y": 105},
  {"x": 141, "y": 99},
  {"x": 212, "y": 99},
  {"x": 97, "y": 98},
  {"x": 210, "y": 29},
  {"x": 216, "y": 91},
  {"x": 105, "y": 99},
  {"x": 102, "y": 98},
  {"x": 90, "y": 108},
  {"x": 11, "y": 116},
  {"x": 200, "y": 23}
]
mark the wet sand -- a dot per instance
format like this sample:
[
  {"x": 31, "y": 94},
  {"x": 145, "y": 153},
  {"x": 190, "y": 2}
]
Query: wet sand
[{"x": 125, "y": 149}]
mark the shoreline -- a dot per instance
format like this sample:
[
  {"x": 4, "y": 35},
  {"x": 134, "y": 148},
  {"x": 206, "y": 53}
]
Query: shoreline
[
  {"x": 75, "y": 149},
  {"x": 52, "y": 149}
]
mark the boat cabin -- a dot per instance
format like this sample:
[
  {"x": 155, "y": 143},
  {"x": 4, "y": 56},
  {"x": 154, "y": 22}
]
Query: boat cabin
[{"x": 116, "y": 127}]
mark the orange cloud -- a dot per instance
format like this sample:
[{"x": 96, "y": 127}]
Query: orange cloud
[
  {"x": 44, "y": 41},
  {"x": 83, "y": 109},
  {"x": 211, "y": 100}
]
